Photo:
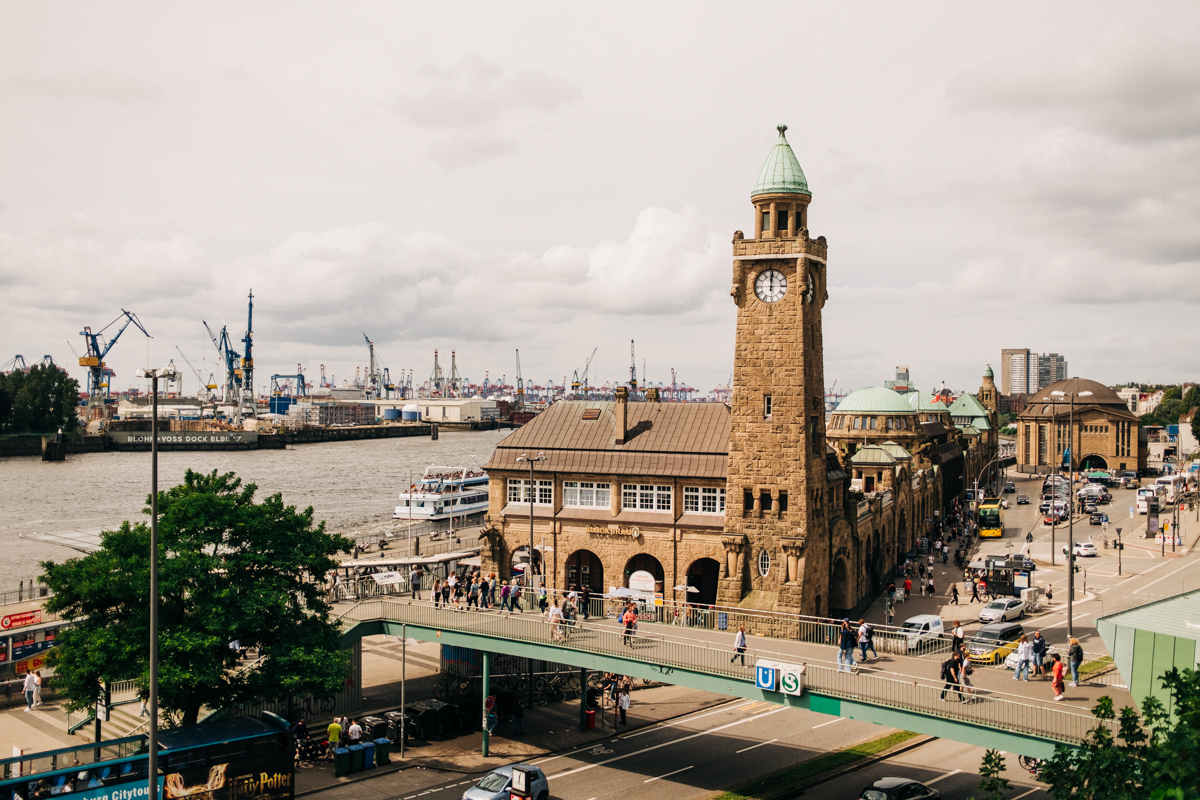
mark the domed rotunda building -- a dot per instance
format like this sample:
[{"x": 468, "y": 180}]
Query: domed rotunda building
[{"x": 1078, "y": 424}]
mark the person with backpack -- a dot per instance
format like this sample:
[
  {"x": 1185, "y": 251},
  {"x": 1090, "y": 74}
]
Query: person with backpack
[
  {"x": 1074, "y": 659},
  {"x": 866, "y": 639},
  {"x": 514, "y": 598},
  {"x": 846, "y": 641},
  {"x": 950, "y": 674}
]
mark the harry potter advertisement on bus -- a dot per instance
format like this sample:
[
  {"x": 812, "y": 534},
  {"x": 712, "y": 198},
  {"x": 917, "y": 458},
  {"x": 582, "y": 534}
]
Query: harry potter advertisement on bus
[{"x": 265, "y": 776}]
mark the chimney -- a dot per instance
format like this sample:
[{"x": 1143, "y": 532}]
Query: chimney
[
  {"x": 621, "y": 415},
  {"x": 652, "y": 395}
]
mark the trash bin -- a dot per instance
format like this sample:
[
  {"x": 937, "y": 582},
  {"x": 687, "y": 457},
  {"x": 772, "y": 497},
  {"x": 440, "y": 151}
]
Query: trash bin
[
  {"x": 356, "y": 757},
  {"x": 590, "y": 716},
  {"x": 383, "y": 750},
  {"x": 341, "y": 762},
  {"x": 368, "y": 755},
  {"x": 373, "y": 728}
]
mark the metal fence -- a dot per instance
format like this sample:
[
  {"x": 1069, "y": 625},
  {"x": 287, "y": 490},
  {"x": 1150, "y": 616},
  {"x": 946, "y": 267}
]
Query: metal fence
[{"x": 667, "y": 655}]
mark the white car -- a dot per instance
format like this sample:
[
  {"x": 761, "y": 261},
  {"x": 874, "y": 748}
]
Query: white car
[
  {"x": 1083, "y": 549},
  {"x": 1002, "y": 610}
]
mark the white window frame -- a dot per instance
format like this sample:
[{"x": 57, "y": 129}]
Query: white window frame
[
  {"x": 704, "y": 500},
  {"x": 764, "y": 563},
  {"x": 518, "y": 491},
  {"x": 646, "y": 497},
  {"x": 587, "y": 494}
]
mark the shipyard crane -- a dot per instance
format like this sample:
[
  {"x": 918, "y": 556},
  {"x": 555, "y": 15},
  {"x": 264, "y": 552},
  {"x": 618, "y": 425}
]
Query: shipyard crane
[
  {"x": 97, "y": 349},
  {"x": 520, "y": 383},
  {"x": 579, "y": 382},
  {"x": 633, "y": 384},
  {"x": 210, "y": 385},
  {"x": 435, "y": 378},
  {"x": 278, "y": 389},
  {"x": 233, "y": 372},
  {"x": 17, "y": 364},
  {"x": 325, "y": 384},
  {"x": 455, "y": 382},
  {"x": 246, "y": 396}
]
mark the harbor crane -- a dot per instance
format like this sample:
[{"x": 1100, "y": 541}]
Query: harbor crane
[
  {"x": 520, "y": 384},
  {"x": 279, "y": 389},
  {"x": 633, "y": 383},
  {"x": 436, "y": 381},
  {"x": 455, "y": 382},
  {"x": 93, "y": 359},
  {"x": 233, "y": 372},
  {"x": 209, "y": 385},
  {"x": 246, "y": 396},
  {"x": 379, "y": 379},
  {"x": 579, "y": 382}
]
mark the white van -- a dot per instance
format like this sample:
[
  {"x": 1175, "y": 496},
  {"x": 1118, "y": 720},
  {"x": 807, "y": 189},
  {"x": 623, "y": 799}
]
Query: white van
[{"x": 921, "y": 628}]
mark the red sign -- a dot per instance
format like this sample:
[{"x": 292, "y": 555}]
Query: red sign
[
  {"x": 30, "y": 664},
  {"x": 20, "y": 619}
]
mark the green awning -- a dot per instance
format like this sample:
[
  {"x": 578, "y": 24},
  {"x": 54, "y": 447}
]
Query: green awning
[{"x": 1099, "y": 474}]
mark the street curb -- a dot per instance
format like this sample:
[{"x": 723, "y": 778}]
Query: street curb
[{"x": 396, "y": 766}]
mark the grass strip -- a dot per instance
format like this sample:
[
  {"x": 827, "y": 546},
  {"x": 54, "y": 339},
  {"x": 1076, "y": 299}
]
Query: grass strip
[
  {"x": 786, "y": 778},
  {"x": 1088, "y": 667}
]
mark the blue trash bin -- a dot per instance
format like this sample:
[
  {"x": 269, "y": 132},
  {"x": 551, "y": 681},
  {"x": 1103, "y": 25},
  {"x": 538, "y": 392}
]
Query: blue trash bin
[
  {"x": 368, "y": 755},
  {"x": 356, "y": 757},
  {"x": 341, "y": 762}
]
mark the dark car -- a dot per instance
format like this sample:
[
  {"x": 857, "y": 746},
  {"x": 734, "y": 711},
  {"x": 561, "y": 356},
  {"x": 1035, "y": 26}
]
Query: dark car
[
  {"x": 898, "y": 789},
  {"x": 1010, "y": 487},
  {"x": 1022, "y": 499},
  {"x": 1097, "y": 518}
]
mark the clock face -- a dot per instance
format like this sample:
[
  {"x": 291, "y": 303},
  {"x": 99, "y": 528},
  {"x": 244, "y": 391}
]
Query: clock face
[{"x": 770, "y": 286}]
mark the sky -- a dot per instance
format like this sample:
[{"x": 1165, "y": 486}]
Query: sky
[{"x": 562, "y": 178}]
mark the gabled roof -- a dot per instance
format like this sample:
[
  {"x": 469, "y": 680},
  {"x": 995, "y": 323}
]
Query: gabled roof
[
  {"x": 667, "y": 439},
  {"x": 897, "y": 451},
  {"x": 872, "y": 455},
  {"x": 968, "y": 405},
  {"x": 781, "y": 174},
  {"x": 922, "y": 401}
]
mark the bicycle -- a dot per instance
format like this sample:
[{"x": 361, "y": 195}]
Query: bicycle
[
  {"x": 1031, "y": 764},
  {"x": 453, "y": 685}
]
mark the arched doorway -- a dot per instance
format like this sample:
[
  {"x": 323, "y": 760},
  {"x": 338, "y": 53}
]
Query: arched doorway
[
  {"x": 585, "y": 569},
  {"x": 644, "y": 563},
  {"x": 839, "y": 588},
  {"x": 703, "y": 575},
  {"x": 520, "y": 558},
  {"x": 1092, "y": 462}
]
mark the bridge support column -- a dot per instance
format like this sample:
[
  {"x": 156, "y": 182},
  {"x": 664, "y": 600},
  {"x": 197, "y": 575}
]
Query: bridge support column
[
  {"x": 583, "y": 698},
  {"x": 487, "y": 692}
]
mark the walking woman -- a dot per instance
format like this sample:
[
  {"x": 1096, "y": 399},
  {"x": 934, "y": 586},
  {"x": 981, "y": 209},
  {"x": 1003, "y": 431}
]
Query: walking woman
[
  {"x": 1074, "y": 660},
  {"x": 1056, "y": 677},
  {"x": 623, "y": 703},
  {"x": 739, "y": 645},
  {"x": 629, "y": 618},
  {"x": 505, "y": 591},
  {"x": 514, "y": 598},
  {"x": 436, "y": 593}
]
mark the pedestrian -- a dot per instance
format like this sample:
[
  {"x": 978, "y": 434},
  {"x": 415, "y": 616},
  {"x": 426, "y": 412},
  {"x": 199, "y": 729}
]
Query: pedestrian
[
  {"x": 950, "y": 674},
  {"x": 37, "y": 688},
  {"x": 974, "y": 591},
  {"x": 889, "y": 609},
  {"x": 959, "y": 634},
  {"x": 907, "y": 588},
  {"x": 953, "y": 594},
  {"x": 514, "y": 598},
  {"x": 458, "y": 595},
  {"x": 1038, "y": 649},
  {"x": 491, "y": 598},
  {"x": 866, "y": 636},
  {"x": 1024, "y": 657},
  {"x": 1049, "y": 593},
  {"x": 543, "y": 600},
  {"x": 932, "y": 590},
  {"x": 1074, "y": 660},
  {"x": 554, "y": 619},
  {"x": 144, "y": 696},
  {"x": 1056, "y": 680},
  {"x": 505, "y": 596},
  {"x": 435, "y": 594},
  {"x": 931, "y": 563},
  {"x": 28, "y": 687},
  {"x": 629, "y": 618},
  {"x": 921, "y": 580},
  {"x": 623, "y": 704},
  {"x": 846, "y": 641},
  {"x": 585, "y": 602},
  {"x": 739, "y": 645},
  {"x": 447, "y": 589},
  {"x": 485, "y": 588},
  {"x": 965, "y": 674},
  {"x": 414, "y": 582},
  {"x": 518, "y": 718},
  {"x": 354, "y": 732},
  {"x": 333, "y": 734},
  {"x": 473, "y": 594}
]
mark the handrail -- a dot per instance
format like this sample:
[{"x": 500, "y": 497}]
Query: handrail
[{"x": 668, "y": 654}]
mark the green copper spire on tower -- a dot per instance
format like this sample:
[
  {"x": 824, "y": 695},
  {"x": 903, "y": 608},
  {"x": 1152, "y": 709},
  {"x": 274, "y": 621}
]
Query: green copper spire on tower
[{"x": 781, "y": 174}]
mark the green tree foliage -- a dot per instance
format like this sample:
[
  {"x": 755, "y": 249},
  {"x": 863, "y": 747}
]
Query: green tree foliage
[
  {"x": 992, "y": 769},
  {"x": 38, "y": 401},
  {"x": 230, "y": 570},
  {"x": 1156, "y": 756}
]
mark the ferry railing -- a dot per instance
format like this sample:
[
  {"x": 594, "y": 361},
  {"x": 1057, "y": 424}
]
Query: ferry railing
[{"x": 667, "y": 655}]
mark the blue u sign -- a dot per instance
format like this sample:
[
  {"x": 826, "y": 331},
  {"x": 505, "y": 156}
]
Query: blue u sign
[{"x": 766, "y": 677}]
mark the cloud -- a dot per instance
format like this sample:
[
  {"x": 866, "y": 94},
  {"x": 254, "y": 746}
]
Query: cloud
[
  {"x": 98, "y": 85},
  {"x": 476, "y": 109}
]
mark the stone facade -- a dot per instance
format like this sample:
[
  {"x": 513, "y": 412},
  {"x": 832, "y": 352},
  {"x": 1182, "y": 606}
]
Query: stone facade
[{"x": 1101, "y": 433}]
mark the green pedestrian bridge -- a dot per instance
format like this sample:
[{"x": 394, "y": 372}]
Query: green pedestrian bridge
[{"x": 897, "y": 690}]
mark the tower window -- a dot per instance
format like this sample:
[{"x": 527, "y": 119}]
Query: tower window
[
  {"x": 747, "y": 503},
  {"x": 782, "y": 502},
  {"x": 782, "y": 223},
  {"x": 767, "y": 406},
  {"x": 766, "y": 225}
]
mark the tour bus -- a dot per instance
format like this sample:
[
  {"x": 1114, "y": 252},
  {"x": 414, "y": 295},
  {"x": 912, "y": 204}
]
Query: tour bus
[
  {"x": 1173, "y": 486},
  {"x": 991, "y": 518},
  {"x": 1150, "y": 498}
]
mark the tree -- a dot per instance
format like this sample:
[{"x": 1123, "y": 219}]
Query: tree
[
  {"x": 231, "y": 571},
  {"x": 39, "y": 401},
  {"x": 1156, "y": 756},
  {"x": 992, "y": 769}
]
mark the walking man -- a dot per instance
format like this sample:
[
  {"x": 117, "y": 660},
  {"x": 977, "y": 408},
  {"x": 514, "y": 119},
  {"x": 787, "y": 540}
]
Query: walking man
[
  {"x": 414, "y": 582},
  {"x": 28, "y": 687},
  {"x": 623, "y": 704},
  {"x": 585, "y": 601},
  {"x": 846, "y": 640},
  {"x": 866, "y": 635},
  {"x": 1074, "y": 659},
  {"x": 950, "y": 674},
  {"x": 355, "y": 732},
  {"x": 1024, "y": 656},
  {"x": 953, "y": 594},
  {"x": 1038, "y": 649},
  {"x": 739, "y": 645}
]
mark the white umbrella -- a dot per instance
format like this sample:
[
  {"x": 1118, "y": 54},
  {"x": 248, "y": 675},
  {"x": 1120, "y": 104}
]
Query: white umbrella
[{"x": 687, "y": 589}]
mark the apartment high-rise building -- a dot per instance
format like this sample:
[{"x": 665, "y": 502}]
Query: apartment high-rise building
[{"x": 1025, "y": 372}]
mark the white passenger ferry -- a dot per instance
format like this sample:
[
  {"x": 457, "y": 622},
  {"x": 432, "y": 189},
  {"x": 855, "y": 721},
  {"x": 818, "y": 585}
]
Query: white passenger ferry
[{"x": 444, "y": 492}]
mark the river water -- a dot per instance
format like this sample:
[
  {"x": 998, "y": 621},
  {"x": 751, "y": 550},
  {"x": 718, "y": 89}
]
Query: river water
[{"x": 351, "y": 485}]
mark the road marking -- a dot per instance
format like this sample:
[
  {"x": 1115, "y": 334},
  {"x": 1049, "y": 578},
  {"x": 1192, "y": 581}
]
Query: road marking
[
  {"x": 823, "y": 724},
  {"x": 941, "y": 777},
  {"x": 660, "y": 726},
  {"x": 1163, "y": 578},
  {"x": 1064, "y": 622},
  {"x": 665, "y": 744},
  {"x": 669, "y": 774},
  {"x": 751, "y": 747},
  {"x": 1018, "y": 797}
]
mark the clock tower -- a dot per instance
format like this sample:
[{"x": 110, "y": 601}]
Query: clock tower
[{"x": 776, "y": 535}]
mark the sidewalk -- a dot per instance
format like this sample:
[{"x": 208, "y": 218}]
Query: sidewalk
[{"x": 548, "y": 729}]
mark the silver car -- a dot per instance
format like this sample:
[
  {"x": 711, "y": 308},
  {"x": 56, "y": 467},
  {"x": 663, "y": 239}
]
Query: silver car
[
  {"x": 496, "y": 784},
  {"x": 1002, "y": 610}
]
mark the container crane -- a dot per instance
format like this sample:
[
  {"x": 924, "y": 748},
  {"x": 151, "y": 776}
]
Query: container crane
[
  {"x": 325, "y": 384},
  {"x": 97, "y": 349},
  {"x": 233, "y": 372},
  {"x": 455, "y": 382},
  {"x": 17, "y": 364},
  {"x": 210, "y": 384},
  {"x": 579, "y": 382},
  {"x": 246, "y": 396},
  {"x": 520, "y": 384},
  {"x": 633, "y": 384}
]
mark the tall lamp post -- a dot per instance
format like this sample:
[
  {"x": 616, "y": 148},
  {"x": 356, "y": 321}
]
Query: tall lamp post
[
  {"x": 1071, "y": 509},
  {"x": 532, "y": 493},
  {"x": 168, "y": 373}
]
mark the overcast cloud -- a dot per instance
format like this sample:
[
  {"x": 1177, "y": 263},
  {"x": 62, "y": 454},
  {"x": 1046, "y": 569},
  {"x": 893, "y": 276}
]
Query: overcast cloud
[{"x": 556, "y": 179}]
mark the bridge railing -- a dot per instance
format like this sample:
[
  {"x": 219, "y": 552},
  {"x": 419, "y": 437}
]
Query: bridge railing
[{"x": 668, "y": 655}]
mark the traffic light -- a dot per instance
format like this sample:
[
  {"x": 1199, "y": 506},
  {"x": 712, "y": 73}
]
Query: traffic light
[{"x": 1074, "y": 566}]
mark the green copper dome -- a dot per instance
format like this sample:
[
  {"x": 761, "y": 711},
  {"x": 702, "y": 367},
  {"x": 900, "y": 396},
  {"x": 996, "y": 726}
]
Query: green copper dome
[
  {"x": 987, "y": 373},
  {"x": 874, "y": 400},
  {"x": 781, "y": 174}
]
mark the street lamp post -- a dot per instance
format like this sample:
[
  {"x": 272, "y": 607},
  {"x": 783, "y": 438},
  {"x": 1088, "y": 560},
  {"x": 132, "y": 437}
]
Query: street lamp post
[
  {"x": 539, "y": 457},
  {"x": 168, "y": 373},
  {"x": 1071, "y": 509}
]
